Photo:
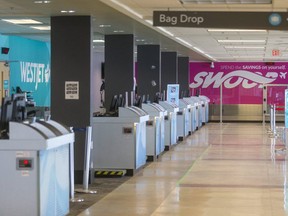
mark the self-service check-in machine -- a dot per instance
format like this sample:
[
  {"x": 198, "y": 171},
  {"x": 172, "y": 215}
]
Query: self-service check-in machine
[
  {"x": 205, "y": 108},
  {"x": 119, "y": 143},
  {"x": 34, "y": 162},
  {"x": 165, "y": 114},
  {"x": 183, "y": 119},
  {"x": 199, "y": 111},
  {"x": 170, "y": 123},
  {"x": 194, "y": 113},
  {"x": 155, "y": 130}
]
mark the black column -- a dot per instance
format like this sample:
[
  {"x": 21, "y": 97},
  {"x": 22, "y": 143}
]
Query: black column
[
  {"x": 71, "y": 61},
  {"x": 148, "y": 77},
  {"x": 119, "y": 66},
  {"x": 183, "y": 75},
  {"x": 169, "y": 67}
]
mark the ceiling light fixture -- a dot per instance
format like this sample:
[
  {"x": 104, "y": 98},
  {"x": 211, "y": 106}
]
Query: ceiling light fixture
[
  {"x": 242, "y": 41},
  {"x": 22, "y": 21},
  {"x": 118, "y": 31},
  {"x": 69, "y": 11},
  {"x": 207, "y": 55},
  {"x": 244, "y": 47},
  {"x": 236, "y": 30},
  {"x": 167, "y": 32},
  {"x": 42, "y": 28},
  {"x": 98, "y": 41},
  {"x": 42, "y": 2},
  {"x": 248, "y": 57},
  {"x": 149, "y": 21},
  {"x": 127, "y": 8},
  {"x": 104, "y": 26},
  {"x": 183, "y": 41}
]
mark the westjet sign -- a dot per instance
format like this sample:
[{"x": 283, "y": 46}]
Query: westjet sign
[{"x": 36, "y": 73}]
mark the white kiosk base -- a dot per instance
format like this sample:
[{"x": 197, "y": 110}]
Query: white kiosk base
[{"x": 35, "y": 169}]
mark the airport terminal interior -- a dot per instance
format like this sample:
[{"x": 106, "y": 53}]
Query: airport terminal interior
[{"x": 153, "y": 108}]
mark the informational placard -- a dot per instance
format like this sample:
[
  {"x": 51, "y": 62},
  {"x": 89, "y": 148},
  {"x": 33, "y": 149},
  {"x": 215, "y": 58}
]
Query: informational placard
[
  {"x": 72, "y": 90},
  {"x": 286, "y": 108},
  {"x": 173, "y": 94}
]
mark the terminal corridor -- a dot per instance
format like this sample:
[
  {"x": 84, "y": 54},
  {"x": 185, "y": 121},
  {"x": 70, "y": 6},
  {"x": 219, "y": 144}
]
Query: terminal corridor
[{"x": 220, "y": 170}]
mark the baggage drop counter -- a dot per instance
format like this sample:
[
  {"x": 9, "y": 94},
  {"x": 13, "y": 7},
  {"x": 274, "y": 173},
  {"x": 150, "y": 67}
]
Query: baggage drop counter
[
  {"x": 199, "y": 110},
  {"x": 119, "y": 143},
  {"x": 205, "y": 108},
  {"x": 155, "y": 130},
  {"x": 34, "y": 161},
  {"x": 183, "y": 120},
  {"x": 194, "y": 113},
  {"x": 170, "y": 124}
]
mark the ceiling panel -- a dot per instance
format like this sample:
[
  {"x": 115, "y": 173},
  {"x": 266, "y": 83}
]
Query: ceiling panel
[{"x": 119, "y": 15}]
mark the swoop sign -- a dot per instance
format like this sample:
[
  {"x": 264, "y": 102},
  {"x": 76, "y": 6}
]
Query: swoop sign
[{"x": 242, "y": 82}]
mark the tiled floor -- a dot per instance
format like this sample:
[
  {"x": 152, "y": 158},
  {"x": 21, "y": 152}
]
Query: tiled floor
[{"x": 227, "y": 169}]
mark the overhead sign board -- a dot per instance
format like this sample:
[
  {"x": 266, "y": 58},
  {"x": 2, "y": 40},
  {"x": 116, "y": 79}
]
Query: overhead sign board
[{"x": 234, "y": 20}]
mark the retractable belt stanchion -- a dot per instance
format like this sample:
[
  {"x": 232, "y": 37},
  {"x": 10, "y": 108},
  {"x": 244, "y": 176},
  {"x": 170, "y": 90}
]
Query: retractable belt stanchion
[
  {"x": 88, "y": 145},
  {"x": 72, "y": 190},
  {"x": 271, "y": 118}
]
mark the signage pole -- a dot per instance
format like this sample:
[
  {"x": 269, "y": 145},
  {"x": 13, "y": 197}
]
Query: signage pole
[{"x": 221, "y": 103}]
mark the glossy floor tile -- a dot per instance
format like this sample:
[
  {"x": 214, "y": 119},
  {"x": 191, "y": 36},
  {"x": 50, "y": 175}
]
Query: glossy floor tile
[{"x": 228, "y": 169}]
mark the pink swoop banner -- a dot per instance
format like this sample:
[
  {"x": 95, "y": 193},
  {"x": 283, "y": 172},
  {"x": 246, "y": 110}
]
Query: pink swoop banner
[{"x": 242, "y": 82}]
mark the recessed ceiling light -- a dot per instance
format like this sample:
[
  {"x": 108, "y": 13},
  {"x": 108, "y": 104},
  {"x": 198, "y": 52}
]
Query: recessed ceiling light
[
  {"x": 43, "y": 28},
  {"x": 118, "y": 31},
  {"x": 98, "y": 41},
  {"x": 167, "y": 32},
  {"x": 248, "y": 57},
  {"x": 127, "y": 8},
  {"x": 184, "y": 42},
  {"x": 104, "y": 26},
  {"x": 244, "y": 47},
  {"x": 69, "y": 11},
  {"x": 22, "y": 21},
  {"x": 241, "y": 41},
  {"x": 236, "y": 30},
  {"x": 149, "y": 21},
  {"x": 42, "y": 2}
]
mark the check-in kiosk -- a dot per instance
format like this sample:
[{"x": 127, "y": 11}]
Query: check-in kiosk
[
  {"x": 194, "y": 113},
  {"x": 155, "y": 130},
  {"x": 183, "y": 119},
  {"x": 170, "y": 123},
  {"x": 163, "y": 133},
  {"x": 119, "y": 143},
  {"x": 205, "y": 108},
  {"x": 199, "y": 110},
  {"x": 34, "y": 162}
]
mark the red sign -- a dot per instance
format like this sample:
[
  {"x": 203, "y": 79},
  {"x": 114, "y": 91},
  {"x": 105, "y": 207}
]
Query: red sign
[{"x": 275, "y": 52}]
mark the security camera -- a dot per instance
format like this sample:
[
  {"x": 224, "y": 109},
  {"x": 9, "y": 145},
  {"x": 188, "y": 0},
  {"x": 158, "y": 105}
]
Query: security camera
[{"x": 212, "y": 65}]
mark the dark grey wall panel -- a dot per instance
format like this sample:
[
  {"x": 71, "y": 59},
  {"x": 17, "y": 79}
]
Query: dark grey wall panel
[
  {"x": 169, "y": 69},
  {"x": 148, "y": 63},
  {"x": 70, "y": 61},
  {"x": 119, "y": 66},
  {"x": 183, "y": 74}
]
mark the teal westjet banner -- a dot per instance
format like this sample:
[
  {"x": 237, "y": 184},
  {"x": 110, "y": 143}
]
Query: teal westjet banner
[{"x": 30, "y": 68}]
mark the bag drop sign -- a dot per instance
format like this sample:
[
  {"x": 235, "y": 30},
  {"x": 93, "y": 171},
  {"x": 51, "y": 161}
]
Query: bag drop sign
[
  {"x": 71, "y": 90},
  {"x": 209, "y": 19},
  {"x": 183, "y": 18}
]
